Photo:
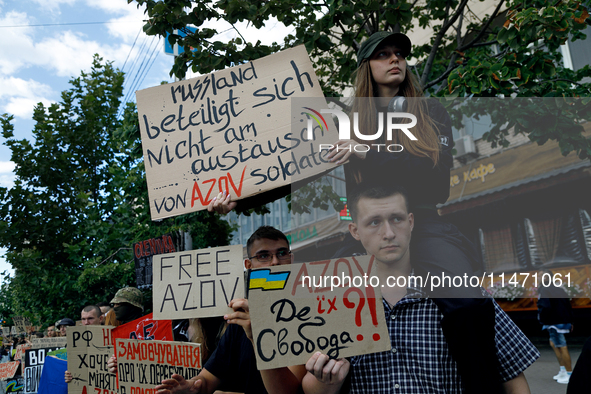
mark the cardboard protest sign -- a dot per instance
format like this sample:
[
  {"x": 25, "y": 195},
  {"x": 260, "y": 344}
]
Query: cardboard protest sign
[
  {"x": 142, "y": 256},
  {"x": 52, "y": 377},
  {"x": 295, "y": 313},
  {"x": 20, "y": 351},
  {"x": 15, "y": 385},
  {"x": 197, "y": 283},
  {"x": 34, "y": 361},
  {"x": 230, "y": 130},
  {"x": 144, "y": 364},
  {"x": 7, "y": 370},
  {"x": 145, "y": 328},
  {"x": 5, "y": 331},
  {"x": 21, "y": 323},
  {"x": 89, "y": 350},
  {"x": 55, "y": 342}
]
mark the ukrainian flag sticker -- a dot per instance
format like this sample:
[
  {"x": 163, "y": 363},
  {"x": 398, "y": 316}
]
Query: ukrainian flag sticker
[{"x": 266, "y": 280}]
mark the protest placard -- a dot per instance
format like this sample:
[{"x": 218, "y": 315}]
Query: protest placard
[
  {"x": 142, "y": 256},
  {"x": 296, "y": 312},
  {"x": 7, "y": 370},
  {"x": 15, "y": 385},
  {"x": 52, "y": 377},
  {"x": 34, "y": 361},
  {"x": 89, "y": 350},
  {"x": 20, "y": 323},
  {"x": 20, "y": 351},
  {"x": 197, "y": 283},
  {"x": 55, "y": 342},
  {"x": 144, "y": 364},
  {"x": 5, "y": 331},
  {"x": 230, "y": 130}
]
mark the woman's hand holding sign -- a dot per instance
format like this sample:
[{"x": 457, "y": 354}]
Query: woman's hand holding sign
[{"x": 222, "y": 203}]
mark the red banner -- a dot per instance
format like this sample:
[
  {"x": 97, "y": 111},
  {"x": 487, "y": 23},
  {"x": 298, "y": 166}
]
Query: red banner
[{"x": 144, "y": 328}]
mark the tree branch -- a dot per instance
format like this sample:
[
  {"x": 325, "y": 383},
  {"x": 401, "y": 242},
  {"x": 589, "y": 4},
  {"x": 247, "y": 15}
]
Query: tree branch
[
  {"x": 484, "y": 28},
  {"x": 443, "y": 76},
  {"x": 439, "y": 37}
]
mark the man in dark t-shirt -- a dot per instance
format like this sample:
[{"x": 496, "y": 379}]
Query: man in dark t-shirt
[{"x": 232, "y": 366}]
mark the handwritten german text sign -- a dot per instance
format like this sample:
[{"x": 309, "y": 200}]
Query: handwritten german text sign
[{"x": 231, "y": 130}]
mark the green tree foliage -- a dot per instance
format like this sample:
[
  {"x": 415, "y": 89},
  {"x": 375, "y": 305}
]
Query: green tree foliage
[
  {"x": 513, "y": 51},
  {"x": 79, "y": 202}
]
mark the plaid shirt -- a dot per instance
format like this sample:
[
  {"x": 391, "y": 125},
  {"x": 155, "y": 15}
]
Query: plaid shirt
[{"x": 420, "y": 362}]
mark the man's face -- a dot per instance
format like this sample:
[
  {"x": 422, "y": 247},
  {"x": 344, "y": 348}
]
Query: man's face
[
  {"x": 91, "y": 319},
  {"x": 384, "y": 227},
  {"x": 267, "y": 253},
  {"x": 105, "y": 309},
  {"x": 63, "y": 330},
  {"x": 51, "y": 331}
]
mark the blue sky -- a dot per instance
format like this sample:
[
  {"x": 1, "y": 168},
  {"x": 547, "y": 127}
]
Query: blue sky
[{"x": 45, "y": 43}]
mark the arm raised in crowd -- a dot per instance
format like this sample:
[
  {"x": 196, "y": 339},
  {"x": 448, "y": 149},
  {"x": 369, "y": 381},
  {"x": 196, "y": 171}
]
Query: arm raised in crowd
[{"x": 284, "y": 380}]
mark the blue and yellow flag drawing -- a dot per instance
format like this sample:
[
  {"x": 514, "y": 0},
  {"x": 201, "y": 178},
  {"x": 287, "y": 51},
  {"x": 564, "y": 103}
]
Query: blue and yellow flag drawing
[{"x": 264, "y": 279}]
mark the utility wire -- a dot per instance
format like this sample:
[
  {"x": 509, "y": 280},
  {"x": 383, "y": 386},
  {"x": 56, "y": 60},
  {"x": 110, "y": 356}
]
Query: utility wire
[
  {"x": 69, "y": 24},
  {"x": 131, "y": 50}
]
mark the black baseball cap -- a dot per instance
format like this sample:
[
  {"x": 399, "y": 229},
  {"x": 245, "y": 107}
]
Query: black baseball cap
[{"x": 369, "y": 46}]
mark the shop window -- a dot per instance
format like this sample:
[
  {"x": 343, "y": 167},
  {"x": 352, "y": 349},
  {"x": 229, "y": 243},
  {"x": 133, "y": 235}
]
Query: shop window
[
  {"x": 499, "y": 249},
  {"x": 586, "y": 226},
  {"x": 556, "y": 239}
]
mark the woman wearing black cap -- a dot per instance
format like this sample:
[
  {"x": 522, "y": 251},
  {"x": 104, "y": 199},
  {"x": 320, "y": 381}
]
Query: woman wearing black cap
[{"x": 423, "y": 168}]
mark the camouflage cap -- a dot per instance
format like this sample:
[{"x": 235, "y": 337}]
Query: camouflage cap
[{"x": 130, "y": 295}]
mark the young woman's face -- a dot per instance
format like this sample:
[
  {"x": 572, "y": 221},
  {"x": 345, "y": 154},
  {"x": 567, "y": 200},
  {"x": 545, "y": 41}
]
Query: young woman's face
[{"x": 388, "y": 69}]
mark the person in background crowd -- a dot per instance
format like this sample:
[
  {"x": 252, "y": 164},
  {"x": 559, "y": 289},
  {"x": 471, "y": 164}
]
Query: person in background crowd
[
  {"x": 111, "y": 320},
  {"x": 555, "y": 314},
  {"x": 128, "y": 304},
  {"x": 62, "y": 324},
  {"x": 208, "y": 332},
  {"x": 91, "y": 316},
  {"x": 232, "y": 366},
  {"x": 51, "y": 331},
  {"x": 105, "y": 307}
]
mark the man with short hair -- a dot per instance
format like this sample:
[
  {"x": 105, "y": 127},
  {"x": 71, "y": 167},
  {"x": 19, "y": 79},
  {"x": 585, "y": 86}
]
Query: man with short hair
[
  {"x": 419, "y": 360},
  {"x": 232, "y": 366},
  {"x": 91, "y": 316}
]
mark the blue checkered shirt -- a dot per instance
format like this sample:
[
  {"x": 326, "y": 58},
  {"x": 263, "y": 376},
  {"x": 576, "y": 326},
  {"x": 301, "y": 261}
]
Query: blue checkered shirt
[{"x": 420, "y": 362}]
